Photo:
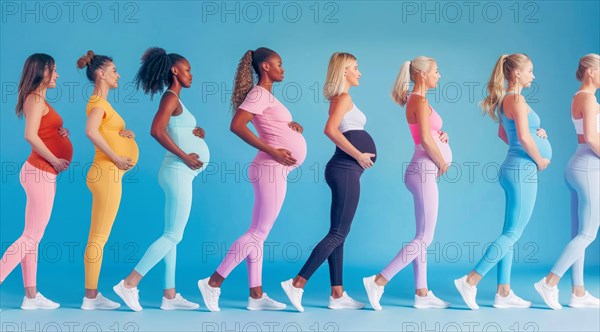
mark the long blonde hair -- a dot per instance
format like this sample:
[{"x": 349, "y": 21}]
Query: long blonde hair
[
  {"x": 503, "y": 70},
  {"x": 591, "y": 60},
  {"x": 335, "y": 80},
  {"x": 408, "y": 72}
]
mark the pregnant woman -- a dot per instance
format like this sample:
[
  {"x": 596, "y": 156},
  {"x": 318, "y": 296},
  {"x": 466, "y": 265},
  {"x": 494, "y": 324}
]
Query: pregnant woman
[
  {"x": 281, "y": 148},
  {"x": 174, "y": 127},
  {"x": 431, "y": 158},
  {"x": 116, "y": 153},
  {"x": 583, "y": 179},
  {"x": 355, "y": 152},
  {"x": 51, "y": 153},
  {"x": 528, "y": 152}
]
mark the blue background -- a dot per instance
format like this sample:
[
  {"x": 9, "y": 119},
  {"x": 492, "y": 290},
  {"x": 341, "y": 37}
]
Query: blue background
[{"x": 382, "y": 35}]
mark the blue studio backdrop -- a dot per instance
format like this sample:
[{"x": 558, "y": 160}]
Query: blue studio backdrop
[{"x": 466, "y": 39}]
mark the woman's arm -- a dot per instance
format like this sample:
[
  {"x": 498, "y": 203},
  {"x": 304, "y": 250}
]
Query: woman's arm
[
  {"x": 34, "y": 110},
  {"x": 91, "y": 130},
  {"x": 422, "y": 113},
  {"x": 337, "y": 109},
  {"x": 519, "y": 110},
  {"x": 239, "y": 126},
  {"x": 590, "y": 126},
  {"x": 168, "y": 105}
]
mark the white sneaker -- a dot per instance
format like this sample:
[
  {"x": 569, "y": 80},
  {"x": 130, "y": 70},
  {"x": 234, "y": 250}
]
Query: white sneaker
[
  {"x": 99, "y": 303},
  {"x": 430, "y": 302},
  {"x": 467, "y": 292},
  {"x": 210, "y": 295},
  {"x": 131, "y": 296},
  {"x": 510, "y": 301},
  {"x": 264, "y": 303},
  {"x": 374, "y": 292},
  {"x": 548, "y": 294},
  {"x": 39, "y": 302},
  {"x": 585, "y": 301},
  {"x": 294, "y": 294},
  {"x": 344, "y": 302},
  {"x": 178, "y": 303}
]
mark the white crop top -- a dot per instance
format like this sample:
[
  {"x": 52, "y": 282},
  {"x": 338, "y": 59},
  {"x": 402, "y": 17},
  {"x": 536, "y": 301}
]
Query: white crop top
[
  {"x": 353, "y": 120},
  {"x": 578, "y": 123}
]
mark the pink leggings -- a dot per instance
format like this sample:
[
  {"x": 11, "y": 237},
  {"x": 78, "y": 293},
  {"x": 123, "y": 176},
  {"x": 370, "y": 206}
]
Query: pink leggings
[
  {"x": 421, "y": 180},
  {"x": 269, "y": 180},
  {"x": 40, "y": 187}
]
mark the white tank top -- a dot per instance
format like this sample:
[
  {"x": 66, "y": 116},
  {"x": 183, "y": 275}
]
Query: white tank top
[
  {"x": 353, "y": 120},
  {"x": 578, "y": 123}
]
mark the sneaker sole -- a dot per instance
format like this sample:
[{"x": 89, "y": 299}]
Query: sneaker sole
[
  {"x": 118, "y": 291},
  {"x": 285, "y": 290},
  {"x": 504, "y": 306},
  {"x": 182, "y": 309},
  {"x": 264, "y": 309},
  {"x": 430, "y": 307},
  {"x": 344, "y": 308},
  {"x": 541, "y": 294},
  {"x": 583, "y": 306},
  {"x": 204, "y": 298},
  {"x": 29, "y": 308},
  {"x": 460, "y": 291},
  {"x": 378, "y": 308}
]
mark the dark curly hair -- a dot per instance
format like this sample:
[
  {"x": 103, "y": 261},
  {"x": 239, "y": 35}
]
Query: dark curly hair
[{"x": 155, "y": 73}]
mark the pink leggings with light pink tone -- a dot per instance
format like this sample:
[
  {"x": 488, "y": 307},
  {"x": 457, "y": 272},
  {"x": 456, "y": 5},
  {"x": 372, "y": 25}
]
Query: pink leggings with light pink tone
[
  {"x": 40, "y": 188},
  {"x": 269, "y": 180}
]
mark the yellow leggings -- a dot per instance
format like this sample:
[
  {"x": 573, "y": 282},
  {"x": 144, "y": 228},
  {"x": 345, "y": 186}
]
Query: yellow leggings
[{"x": 104, "y": 180}]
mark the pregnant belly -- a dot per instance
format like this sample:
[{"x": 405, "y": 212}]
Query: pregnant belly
[
  {"x": 192, "y": 144},
  {"x": 125, "y": 147},
  {"x": 444, "y": 150},
  {"x": 543, "y": 146},
  {"x": 296, "y": 143}
]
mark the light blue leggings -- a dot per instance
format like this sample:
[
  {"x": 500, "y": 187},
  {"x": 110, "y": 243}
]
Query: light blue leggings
[
  {"x": 177, "y": 185},
  {"x": 583, "y": 179},
  {"x": 520, "y": 190}
]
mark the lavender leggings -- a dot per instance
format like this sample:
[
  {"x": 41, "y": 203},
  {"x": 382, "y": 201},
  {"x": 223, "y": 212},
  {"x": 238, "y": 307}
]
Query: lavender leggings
[{"x": 421, "y": 180}]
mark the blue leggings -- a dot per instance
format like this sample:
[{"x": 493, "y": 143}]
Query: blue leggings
[
  {"x": 177, "y": 185},
  {"x": 583, "y": 178},
  {"x": 520, "y": 190}
]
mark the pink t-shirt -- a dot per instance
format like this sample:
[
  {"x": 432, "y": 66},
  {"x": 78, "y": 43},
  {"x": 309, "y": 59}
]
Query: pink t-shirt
[{"x": 271, "y": 121}]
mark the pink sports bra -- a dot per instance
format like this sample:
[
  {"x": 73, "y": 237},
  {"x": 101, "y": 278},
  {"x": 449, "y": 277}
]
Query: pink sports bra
[{"x": 435, "y": 124}]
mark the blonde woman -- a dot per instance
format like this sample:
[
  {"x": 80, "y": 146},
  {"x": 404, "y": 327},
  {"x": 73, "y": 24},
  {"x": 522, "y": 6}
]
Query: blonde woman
[
  {"x": 582, "y": 176},
  {"x": 354, "y": 152},
  {"x": 529, "y": 152},
  {"x": 431, "y": 159}
]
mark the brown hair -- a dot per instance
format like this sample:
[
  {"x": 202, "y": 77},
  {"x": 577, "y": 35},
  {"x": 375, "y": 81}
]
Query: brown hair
[
  {"x": 32, "y": 77},
  {"x": 244, "y": 78},
  {"x": 503, "y": 70},
  {"x": 93, "y": 62}
]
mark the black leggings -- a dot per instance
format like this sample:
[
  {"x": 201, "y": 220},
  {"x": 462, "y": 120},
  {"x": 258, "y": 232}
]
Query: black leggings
[{"x": 343, "y": 177}]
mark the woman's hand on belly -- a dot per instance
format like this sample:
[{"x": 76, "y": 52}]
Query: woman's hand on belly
[
  {"x": 296, "y": 127},
  {"x": 199, "y": 132},
  {"x": 443, "y": 136},
  {"x": 283, "y": 157},
  {"x": 127, "y": 133},
  {"x": 192, "y": 160},
  {"x": 123, "y": 163},
  {"x": 63, "y": 132},
  {"x": 542, "y": 133}
]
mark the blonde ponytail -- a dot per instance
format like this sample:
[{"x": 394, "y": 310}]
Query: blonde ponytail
[{"x": 408, "y": 72}]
